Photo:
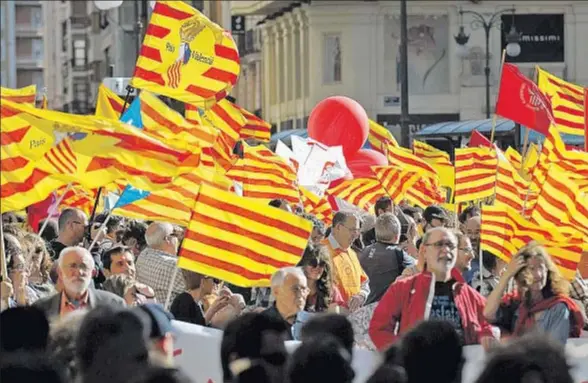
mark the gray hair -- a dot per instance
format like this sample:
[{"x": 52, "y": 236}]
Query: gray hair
[
  {"x": 75, "y": 249},
  {"x": 428, "y": 234},
  {"x": 156, "y": 233},
  {"x": 387, "y": 228},
  {"x": 280, "y": 275},
  {"x": 66, "y": 216}
]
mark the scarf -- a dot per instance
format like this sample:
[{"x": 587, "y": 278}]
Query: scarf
[{"x": 526, "y": 319}]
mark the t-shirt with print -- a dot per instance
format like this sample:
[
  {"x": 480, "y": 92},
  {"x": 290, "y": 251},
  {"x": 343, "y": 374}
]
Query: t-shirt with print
[{"x": 443, "y": 306}]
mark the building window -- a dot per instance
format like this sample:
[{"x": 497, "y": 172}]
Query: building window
[
  {"x": 79, "y": 48},
  {"x": 331, "y": 58},
  {"x": 37, "y": 49},
  {"x": 37, "y": 17},
  {"x": 64, "y": 36},
  {"x": 80, "y": 91}
]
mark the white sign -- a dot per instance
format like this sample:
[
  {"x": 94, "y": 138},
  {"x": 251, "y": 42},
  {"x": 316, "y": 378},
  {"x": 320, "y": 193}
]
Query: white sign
[{"x": 119, "y": 85}]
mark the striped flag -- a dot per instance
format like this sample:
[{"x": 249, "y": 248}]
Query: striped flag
[
  {"x": 567, "y": 102},
  {"x": 379, "y": 138},
  {"x": 317, "y": 206},
  {"x": 514, "y": 157},
  {"x": 504, "y": 232},
  {"x": 405, "y": 159},
  {"x": 254, "y": 128},
  {"x": 62, "y": 158},
  {"x": 430, "y": 154},
  {"x": 185, "y": 56},
  {"x": 108, "y": 103},
  {"x": 26, "y": 95},
  {"x": 78, "y": 197},
  {"x": 240, "y": 241},
  {"x": 475, "y": 173},
  {"x": 425, "y": 193},
  {"x": 511, "y": 188},
  {"x": 395, "y": 181},
  {"x": 361, "y": 192}
]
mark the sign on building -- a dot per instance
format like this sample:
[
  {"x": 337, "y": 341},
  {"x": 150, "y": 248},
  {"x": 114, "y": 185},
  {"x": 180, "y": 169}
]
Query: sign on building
[
  {"x": 542, "y": 37},
  {"x": 119, "y": 85}
]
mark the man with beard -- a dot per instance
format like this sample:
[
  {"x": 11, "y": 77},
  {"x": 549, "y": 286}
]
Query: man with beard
[
  {"x": 74, "y": 267},
  {"x": 472, "y": 231}
]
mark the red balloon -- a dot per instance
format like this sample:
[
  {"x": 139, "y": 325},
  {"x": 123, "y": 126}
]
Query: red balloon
[
  {"x": 361, "y": 162},
  {"x": 339, "y": 121}
]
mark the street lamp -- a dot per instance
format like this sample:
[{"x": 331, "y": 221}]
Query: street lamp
[{"x": 513, "y": 48}]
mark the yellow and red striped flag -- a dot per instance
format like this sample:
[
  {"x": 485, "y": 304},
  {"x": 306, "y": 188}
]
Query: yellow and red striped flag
[
  {"x": 174, "y": 203},
  {"x": 77, "y": 197},
  {"x": 26, "y": 95},
  {"x": 567, "y": 102},
  {"x": 379, "y": 138},
  {"x": 62, "y": 158},
  {"x": 108, "y": 103},
  {"x": 405, "y": 159},
  {"x": 514, "y": 157},
  {"x": 502, "y": 225},
  {"x": 255, "y": 127},
  {"x": 511, "y": 188},
  {"x": 240, "y": 241},
  {"x": 361, "y": 192},
  {"x": 317, "y": 206},
  {"x": 186, "y": 56},
  {"x": 475, "y": 173},
  {"x": 168, "y": 126},
  {"x": 425, "y": 193},
  {"x": 395, "y": 181},
  {"x": 430, "y": 154}
]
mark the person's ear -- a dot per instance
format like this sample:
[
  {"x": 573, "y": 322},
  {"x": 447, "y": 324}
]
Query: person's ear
[{"x": 275, "y": 291}]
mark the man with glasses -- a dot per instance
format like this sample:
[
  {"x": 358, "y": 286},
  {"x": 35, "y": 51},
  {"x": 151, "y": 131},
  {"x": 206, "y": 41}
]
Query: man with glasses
[
  {"x": 432, "y": 294},
  {"x": 75, "y": 266},
  {"x": 348, "y": 275},
  {"x": 72, "y": 225}
]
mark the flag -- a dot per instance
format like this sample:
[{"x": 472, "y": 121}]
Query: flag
[
  {"x": 475, "y": 173},
  {"x": 108, "y": 103},
  {"x": 430, "y": 154},
  {"x": 511, "y": 188},
  {"x": 379, "y": 137},
  {"x": 78, "y": 197},
  {"x": 520, "y": 100},
  {"x": 514, "y": 157},
  {"x": 425, "y": 193},
  {"x": 361, "y": 192},
  {"x": 395, "y": 181},
  {"x": 132, "y": 114},
  {"x": 26, "y": 95},
  {"x": 41, "y": 210},
  {"x": 174, "y": 203},
  {"x": 405, "y": 159},
  {"x": 586, "y": 119},
  {"x": 567, "y": 102},
  {"x": 44, "y": 102},
  {"x": 255, "y": 127},
  {"x": 477, "y": 139},
  {"x": 185, "y": 56},
  {"x": 504, "y": 232},
  {"x": 317, "y": 206},
  {"x": 240, "y": 241},
  {"x": 62, "y": 158}
]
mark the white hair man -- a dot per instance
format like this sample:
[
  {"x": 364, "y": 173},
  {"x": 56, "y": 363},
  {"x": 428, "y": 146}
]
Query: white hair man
[
  {"x": 384, "y": 260},
  {"x": 290, "y": 289},
  {"x": 75, "y": 266},
  {"x": 157, "y": 263}
]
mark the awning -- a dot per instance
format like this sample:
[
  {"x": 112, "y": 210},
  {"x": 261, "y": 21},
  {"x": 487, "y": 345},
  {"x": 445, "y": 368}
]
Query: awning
[
  {"x": 464, "y": 128},
  {"x": 286, "y": 134},
  {"x": 568, "y": 139}
]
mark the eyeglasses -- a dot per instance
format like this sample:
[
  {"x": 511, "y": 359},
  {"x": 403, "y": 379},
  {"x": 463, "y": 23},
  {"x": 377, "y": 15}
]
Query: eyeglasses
[
  {"x": 467, "y": 250},
  {"x": 302, "y": 290},
  {"x": 442, "y": 244},
  {"x": 352, "y": 230},
  {"x": 317, "y": 263}
]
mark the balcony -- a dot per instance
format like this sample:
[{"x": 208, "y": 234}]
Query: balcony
[
  {"x": 29, "y": 62},
  {"x": 79, "y": 22},
  {"x": 29, "y": 30},
  {"x": 257, "y": 7}
]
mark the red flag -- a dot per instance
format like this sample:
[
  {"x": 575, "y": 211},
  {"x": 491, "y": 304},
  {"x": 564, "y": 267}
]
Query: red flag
[
  {"x": 40, "y": 210},
  {"x": 520, "y": 100},
  {"x": 478, "y": 139}
]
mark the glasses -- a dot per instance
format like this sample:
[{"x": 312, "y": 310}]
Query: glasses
[
  {"x": 317, "y": 263},
  {"x": 302, "y": 290},
  {"x": 442, "y": 244},
  {"x": 352, "y": 230},
  {"x": 467, "y": 250}
]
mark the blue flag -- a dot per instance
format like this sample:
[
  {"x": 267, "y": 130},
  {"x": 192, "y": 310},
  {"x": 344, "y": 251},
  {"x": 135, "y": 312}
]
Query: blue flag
[
  {"x": 129, "y": 195},
  {"x": 132, "y": 115}
]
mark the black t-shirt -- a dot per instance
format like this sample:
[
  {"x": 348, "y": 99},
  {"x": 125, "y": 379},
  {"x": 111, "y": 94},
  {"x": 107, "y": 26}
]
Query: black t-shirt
[
  {"x": 443, "y": 306},
  {"x": 56, "y": 248},
  {"x": 184, "y": 308}
]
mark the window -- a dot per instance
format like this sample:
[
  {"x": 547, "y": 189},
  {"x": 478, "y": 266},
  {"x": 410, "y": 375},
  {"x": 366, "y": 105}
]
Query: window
[
  {"x": 37, "y": 17},
  {"x": 80, "y": 91},
  {"x": 298, "y": 64},
  {"x": 22, "y": 15},
  {"x": 64, "y": 36},
  {"x": 331, "y": 58},
  {"x": 79, "y": 48},
  {"x": 2, "y": 50},
  {"x": 37, "y": 49}
]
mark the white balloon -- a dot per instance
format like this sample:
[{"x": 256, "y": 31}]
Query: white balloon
[{"x": 106, "y": 5}]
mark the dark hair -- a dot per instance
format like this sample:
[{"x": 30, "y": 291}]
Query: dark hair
[
  {"x": 341, "y": 216},
  {"x": 533, "y": 355},
  {"x": 488, "y": 260},
  {"x": 323, "y": 354},
  {"x": 410, "y": 211},
  {"x": 469, "y": 212},
  {"x": 332, "y": 324},
  {"x": 192, "y": 279},
  {"x": 256, "y": 337},
  {"x": 113, "y": 222},
  {"x": 51, "y": 229},
  {"x": 317, "y": 224},
  {"x": 388, "y": 374},
  {"x": 136, "y": 230},
  {"x": 107, "y": 255},
  {"x": 278, "y": 202},
  {"x": 161, "y": 375},
  {"x": 30, "y": 367},
  {"x": 382, "y": 203},
  {"x": 14, "y": 320},
  {"x": 432, "y": 352},
  {"x": 324, "y": 285},
  {"x": 12, "y": 248}
]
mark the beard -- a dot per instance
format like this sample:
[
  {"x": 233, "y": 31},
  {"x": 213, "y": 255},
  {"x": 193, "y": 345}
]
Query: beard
[{"x": 76, "y": 285}]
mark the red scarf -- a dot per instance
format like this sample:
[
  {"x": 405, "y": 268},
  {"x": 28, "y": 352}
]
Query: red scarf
[{"x": 526, "y": 319}]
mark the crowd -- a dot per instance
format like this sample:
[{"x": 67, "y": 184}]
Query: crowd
[{"x": 406, "y": 283}]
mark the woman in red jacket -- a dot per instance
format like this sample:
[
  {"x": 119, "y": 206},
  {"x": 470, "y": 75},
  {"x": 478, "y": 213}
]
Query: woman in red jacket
[{"x": 436, "y": 293}]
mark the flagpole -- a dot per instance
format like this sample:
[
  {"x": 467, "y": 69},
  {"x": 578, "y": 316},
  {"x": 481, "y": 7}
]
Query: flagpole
[
  {"x": 99, "y": 230},
  {"x": 3, "y": 269},
  {"x": 499, "y": 76},
  {"x": 53, "y": 209}
]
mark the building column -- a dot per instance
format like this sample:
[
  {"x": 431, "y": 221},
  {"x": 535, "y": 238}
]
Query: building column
[
  {"x": 288, "y": 26},
  {"x": 303, "y": 28},
  {"x": 278, "y": 72},
  {"x": 266, "y": 78}
]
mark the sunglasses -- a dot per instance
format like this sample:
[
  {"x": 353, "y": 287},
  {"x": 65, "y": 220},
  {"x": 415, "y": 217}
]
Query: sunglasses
[
  {"x": 317, "y": 263},
  {"x": 216, "y": 281}
]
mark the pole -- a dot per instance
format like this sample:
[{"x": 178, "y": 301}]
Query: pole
[
  {"x": 53, "y": 208},
  {"x": 3, "y": 269},
  {"x": 99, "y": 230},
  {"x": 487, "y": 69},
  {"x": 138, "y": 27},
  {"x": 488, "y": 92},
  {"x": 404, "y": 117}
]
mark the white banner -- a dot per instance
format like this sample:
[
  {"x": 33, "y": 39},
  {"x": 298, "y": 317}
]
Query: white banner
[{"x": 198, "y": 356}]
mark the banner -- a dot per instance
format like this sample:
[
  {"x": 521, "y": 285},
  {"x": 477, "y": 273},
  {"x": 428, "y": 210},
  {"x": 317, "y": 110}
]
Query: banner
[{"x": 197, "y": 354}]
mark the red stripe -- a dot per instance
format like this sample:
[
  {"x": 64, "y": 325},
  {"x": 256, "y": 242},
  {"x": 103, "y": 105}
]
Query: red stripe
[
  {"x": 144, "y": 213},
  {"x": 157, "y": 31},
  {"x": 569, "y": 124},
  {"x": 201, "y": 92},
  {"x": 21, "y": 99},
  {"x": 99, "y": 163},
  {"x": 271, "y": 195},
  {"x": 249, "y": 214},
  {"x": 167, "y": 202},
  {"x": 56, "y": 161},
  {"x": 226, "y": 53},
  {"x": 222, "y": 265},
  {"x": 12, "y": 164},
  {"x": 11, "y": 188},
  {"x": 165, "y": 10},
  {"x": 570, "y": 111},
  {"x": 563, "y": 85},
  {"x": 13, "y": 137},
  {"x": 6, "y": 112},
  {"x": 148, "y": 75},
  {"x": 69, "y": 161},
  {"x": 569, "y": 98},
  {"x": 221, "y": 75},
  {"x": 150, "y": 53},
  {"x": 226, "y": 117},
  {"x": 117, "y": 106}
]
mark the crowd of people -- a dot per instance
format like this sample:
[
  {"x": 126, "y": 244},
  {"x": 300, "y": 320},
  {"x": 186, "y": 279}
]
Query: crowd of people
[{"x": 408, "y": 283}]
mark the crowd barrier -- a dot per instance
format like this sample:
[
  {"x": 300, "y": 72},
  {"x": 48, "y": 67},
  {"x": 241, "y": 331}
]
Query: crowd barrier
[{"x": 198, "y": 355}]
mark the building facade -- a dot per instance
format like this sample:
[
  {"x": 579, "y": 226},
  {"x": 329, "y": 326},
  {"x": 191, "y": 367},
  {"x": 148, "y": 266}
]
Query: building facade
[
  {"x": 7, "y": 45},
  {"x": 351, "y": 48}
]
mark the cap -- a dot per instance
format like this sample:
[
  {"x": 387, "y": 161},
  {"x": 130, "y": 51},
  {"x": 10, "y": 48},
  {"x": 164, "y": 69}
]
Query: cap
[
  {"x": 160, "y": 319},
  {"x": 434, "y": 212}
]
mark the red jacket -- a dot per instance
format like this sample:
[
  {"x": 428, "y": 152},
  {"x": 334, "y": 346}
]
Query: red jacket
[{"x": 408, "y": 301}]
